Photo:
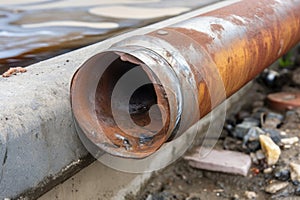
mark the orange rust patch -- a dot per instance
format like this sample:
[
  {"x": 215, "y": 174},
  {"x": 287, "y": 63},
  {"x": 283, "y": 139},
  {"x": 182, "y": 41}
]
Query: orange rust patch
[{"x": 216, "y": 27}]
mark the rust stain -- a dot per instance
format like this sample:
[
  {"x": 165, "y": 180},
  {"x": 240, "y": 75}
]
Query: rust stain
[
  {"x": 198, "y": 37},
  {"x": 216, "y": 27},
  {"x": 269, "y": 30}
]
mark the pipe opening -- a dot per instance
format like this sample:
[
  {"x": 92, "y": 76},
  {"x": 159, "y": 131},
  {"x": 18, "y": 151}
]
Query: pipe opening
[
  {"x": 131, "y": 106},
  {"x": 140, "y": 103}
]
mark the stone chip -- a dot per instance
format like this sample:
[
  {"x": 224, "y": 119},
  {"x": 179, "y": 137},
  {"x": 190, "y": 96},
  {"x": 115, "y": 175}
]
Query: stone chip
[
  {"x": 276, "y": 186},
  {"x": 270, "y": 149},
  {"x": 295, "y": 172}
]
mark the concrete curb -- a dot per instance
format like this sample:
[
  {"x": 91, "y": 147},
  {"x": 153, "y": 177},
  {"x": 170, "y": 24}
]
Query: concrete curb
[{"x": 37, "y": 135}]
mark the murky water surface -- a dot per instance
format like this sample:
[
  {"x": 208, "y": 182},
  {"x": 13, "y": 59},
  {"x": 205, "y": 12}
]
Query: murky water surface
[{"x": 33, "y": 30}]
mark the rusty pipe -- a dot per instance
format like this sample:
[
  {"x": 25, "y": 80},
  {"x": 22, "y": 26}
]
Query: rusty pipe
[{"x": 148, "y": 89}]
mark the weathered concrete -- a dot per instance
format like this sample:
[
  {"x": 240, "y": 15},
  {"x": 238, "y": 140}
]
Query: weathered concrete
[{"x": 37, "y": 136}]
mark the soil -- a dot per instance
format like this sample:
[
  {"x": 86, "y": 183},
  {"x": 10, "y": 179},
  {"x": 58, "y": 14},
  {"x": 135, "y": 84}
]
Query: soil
[{"x": 179, "y": 181}]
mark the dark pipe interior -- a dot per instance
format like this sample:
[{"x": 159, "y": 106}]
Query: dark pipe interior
[
  {"x": 142, "y": 99},
  {"x": 140, "y": 103}
]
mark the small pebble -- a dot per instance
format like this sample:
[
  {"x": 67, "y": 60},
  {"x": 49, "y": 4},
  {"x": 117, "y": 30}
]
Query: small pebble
[
  {"x": 242, "y": 129},
  {"x": 149, "y": 197},
  {"x": 276, "y": 186},
  {"x": 282, "y": 133},
  {"x": 260, "y": 155},
  {"x": 268, "y": 170},
  {"x": 235, "y": 197},
  {"x": 272, "y": 120},
  {"x": 218, "y": 190},
  {"x": 295, "y": 172},
  {"x": 297, "y": 191},
  {"x": 289, "y": 141},
  {"x": 296, "y": 75},
  {"x": 253, "y": 146},
  {"x": 250, "y": 195},
  {"x": 287, "y": 146},
  {"x": 253, "y": 158},
  {"x": 270, "y": 149},
  {"x": 282, "y": 174}
]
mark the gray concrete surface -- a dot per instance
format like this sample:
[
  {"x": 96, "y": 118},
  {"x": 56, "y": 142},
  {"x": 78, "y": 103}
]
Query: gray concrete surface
[{"x": 37, "y": 135}]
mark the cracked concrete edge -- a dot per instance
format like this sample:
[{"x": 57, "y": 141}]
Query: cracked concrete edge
[{"x": 37, "y": 134}]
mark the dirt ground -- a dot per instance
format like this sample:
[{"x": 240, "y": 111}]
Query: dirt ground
[{"x": 179, "y": 181}]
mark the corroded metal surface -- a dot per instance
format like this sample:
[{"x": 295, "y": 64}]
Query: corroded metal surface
[{"x": 193, "y": 66}]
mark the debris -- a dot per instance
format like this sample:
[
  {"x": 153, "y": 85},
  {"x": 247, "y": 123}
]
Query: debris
[
  {"x": 235, "y": 197},
  {"x": 242, "y": 129},
  {"x": 296, "y": 76},
  {"x": 275, "y": 186},
  {"x": 272, "y": 120},
  {"x": 269, "y": 78},
  {"x": 270, "y": 149},
  {"x": 218, "y": 190},
  {"x": 253, "y": 134},
  {"x": 253, "y": 146},
  {"x": 255, "y": 171},
  {"x": 289, "y": 141},
  {"x": 250, "y": 195},
  {"x": 13, "y": 71},
  {"x": 268, "y": 170},
  {"x": 274, "y": 134},
  {"x": 295, "y": 172},
  {"x": 149, "y": 197},
  {"x": 283, "y": 133},
  {"x": 222, "y": 161},
  {"x": 260, "y": 155},
  {"x": 250, "y": 140},
  {"x": 253, "y": 158},
  {"x": 282, "y": 174},
  {"x": 297, "y": 191},
  {"x": 257, "y": 157}
]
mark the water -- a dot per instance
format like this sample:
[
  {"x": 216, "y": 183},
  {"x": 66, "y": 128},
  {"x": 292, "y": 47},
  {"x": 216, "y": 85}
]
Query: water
[{"x": 34, "y": 30}]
